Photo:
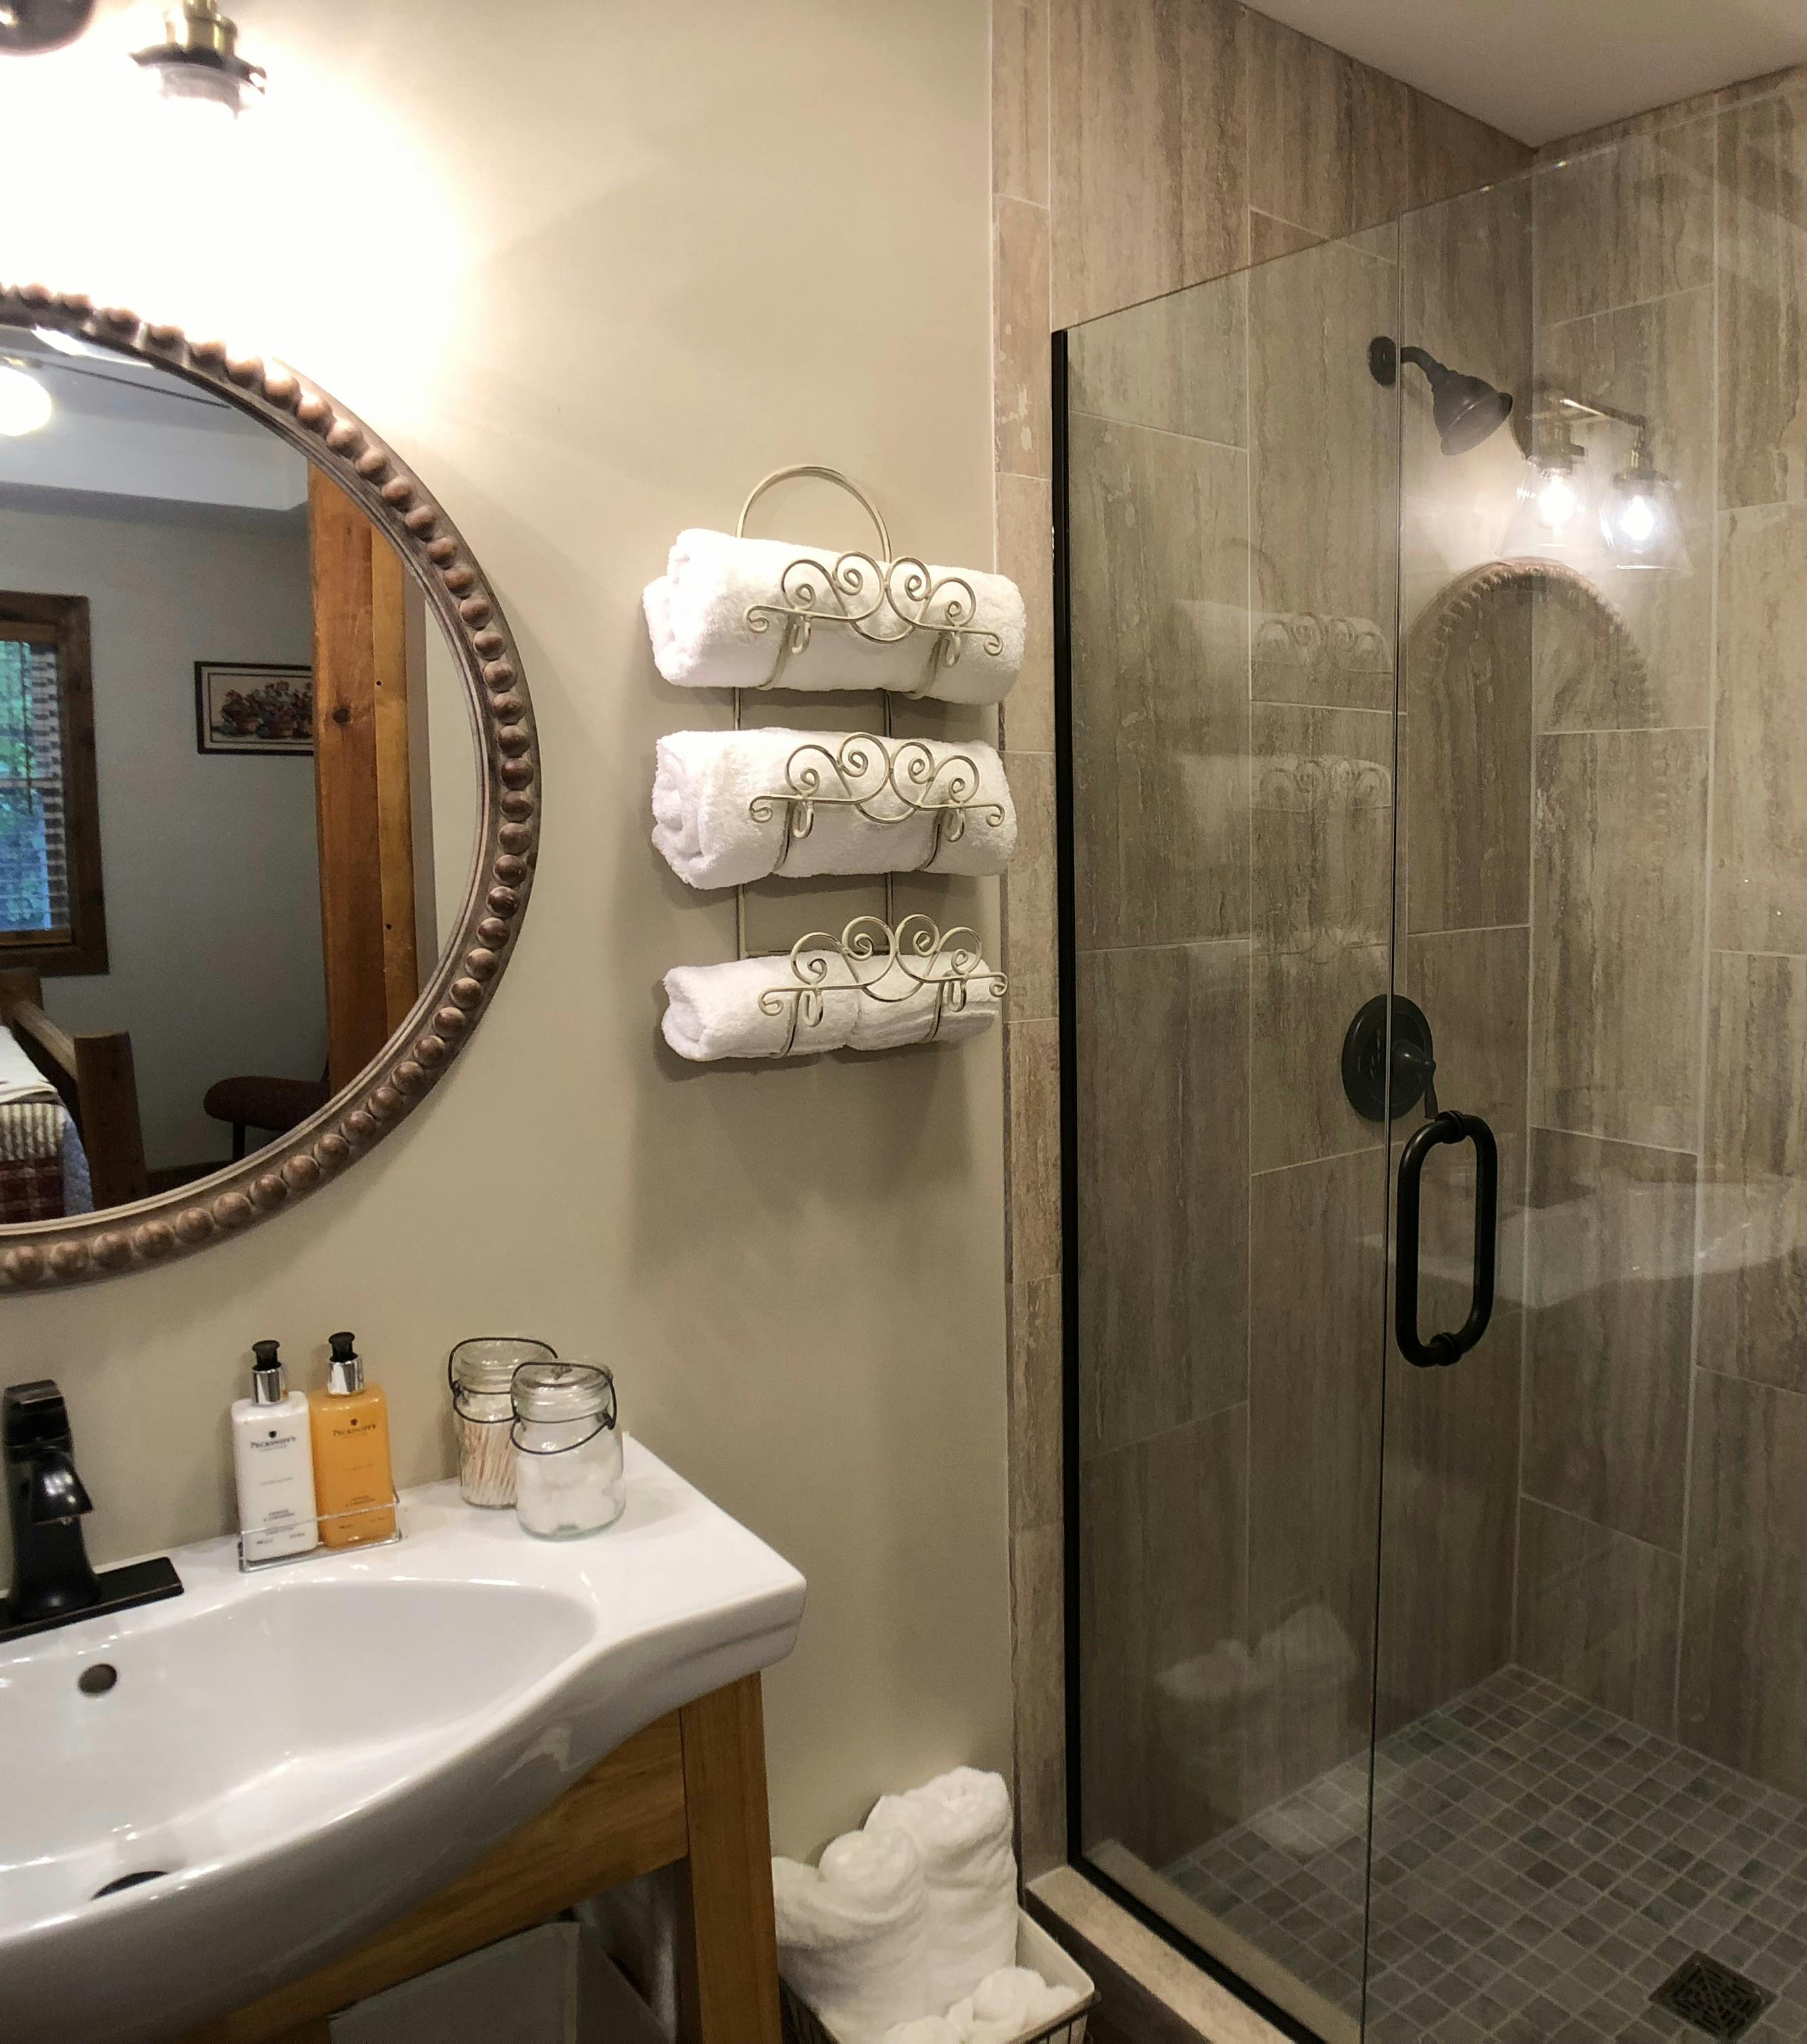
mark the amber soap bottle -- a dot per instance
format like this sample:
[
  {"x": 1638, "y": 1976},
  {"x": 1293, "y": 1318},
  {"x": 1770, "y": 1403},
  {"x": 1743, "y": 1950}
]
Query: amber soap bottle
[{"x": 349, "y": 1421}]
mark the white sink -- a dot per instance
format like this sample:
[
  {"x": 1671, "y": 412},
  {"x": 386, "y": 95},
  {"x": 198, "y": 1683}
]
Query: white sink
[{"x": 300, "y": 1755}]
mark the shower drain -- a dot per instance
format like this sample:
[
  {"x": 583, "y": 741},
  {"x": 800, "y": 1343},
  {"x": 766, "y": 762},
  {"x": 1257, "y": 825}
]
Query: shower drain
[{"x": 1712, "y": 1997}]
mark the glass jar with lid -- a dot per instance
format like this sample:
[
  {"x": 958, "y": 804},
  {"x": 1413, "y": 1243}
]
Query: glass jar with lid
[
  {"x": 481, "y": 1373},
  {"x": 568, "y": 1478}
]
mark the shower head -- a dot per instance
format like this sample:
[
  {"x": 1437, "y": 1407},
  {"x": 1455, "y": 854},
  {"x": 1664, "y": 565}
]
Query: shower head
[{"x": 1466, "y": 409}]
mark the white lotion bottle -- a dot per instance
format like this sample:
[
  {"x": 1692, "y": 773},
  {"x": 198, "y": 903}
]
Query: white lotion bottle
[{"x": 273, "y": 1461}]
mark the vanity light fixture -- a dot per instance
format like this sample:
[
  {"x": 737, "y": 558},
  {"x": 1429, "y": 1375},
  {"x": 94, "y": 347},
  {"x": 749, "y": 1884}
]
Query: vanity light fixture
[
  {"x": 29, "y": 26},
  {"x": 198, "y": 59},
  {"x": 1640, "y": 518},
  {"x": 25, "y": 403}
]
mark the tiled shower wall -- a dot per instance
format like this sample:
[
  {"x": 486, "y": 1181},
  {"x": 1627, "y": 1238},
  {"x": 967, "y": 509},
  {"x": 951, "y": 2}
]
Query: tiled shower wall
[
  {"x": 1140, "y": 146},
  {"x": 1663, "y": 1523}
]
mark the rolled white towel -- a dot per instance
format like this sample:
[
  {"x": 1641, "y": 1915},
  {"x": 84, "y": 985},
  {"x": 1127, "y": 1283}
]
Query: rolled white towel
[
  {"x": 905, "y": 1013},
  {"x": 722, "y": 802},
  {"x": 960, "y": 1824},
  {"x": 924, "y": 2030},
  {"x": 1007, "y": 2003},
  {"x": 697, "y": 613},
  {"x": 713, "y": 1010},
  {"x": 851, "y": 1933}
]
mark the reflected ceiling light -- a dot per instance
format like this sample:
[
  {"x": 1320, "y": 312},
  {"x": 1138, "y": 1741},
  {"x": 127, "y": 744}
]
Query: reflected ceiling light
[
  {"x": 24, "y": 403},
  {"x": 1640, "y": 518},
  {"x": 198, "y": 57}
]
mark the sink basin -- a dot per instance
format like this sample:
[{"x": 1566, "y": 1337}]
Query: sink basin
[{"x": 285, "y": 1761}]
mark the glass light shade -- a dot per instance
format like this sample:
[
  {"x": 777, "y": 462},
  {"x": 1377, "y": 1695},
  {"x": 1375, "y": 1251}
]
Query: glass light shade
[
  {"x": 24, "y": 403},
  {"x": 1550, "y": 513},
  {"x": 1642, "y": 523}
]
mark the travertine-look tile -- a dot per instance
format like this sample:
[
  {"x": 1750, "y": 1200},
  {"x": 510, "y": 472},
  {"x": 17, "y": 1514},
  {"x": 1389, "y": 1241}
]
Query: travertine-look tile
[
  {"x": 1612, "y": 1245},
  {"x": 1324, "y": 476},
  {"x": 1597, "y": 1613},
  {"x": 1304, "y": 1004},
  {"x": 1743, "y": 1647},
  {"x": 1762, "y": 273},
  {"x": 1617, "y": 936},
  {"x": 1178, "y": 363},
  {"x": 1164, "y": 1204},
  {"x": 1020, "y": 381},
  {"x": 1451, "y": 152},
  {"x": 1038, "y": 1674},
  {"x": 1322, "y": 837},
  {"x": 1149, "y": 175},
  {"x": 1269, "y": 237},
  {"x": 1032, "y": 1087},
  {"x": 1328, "y": 144},
  {"x": 1019, "y": 100},
  {"x": 1162, "y": 1575},
  {"x": 1317, "y": 1272},
  {"x": 1035, "y": 1397},
  {"x": 1160, "y": 688},
  {"x": 1619, "y": 225},
  {"x": 1474, "y": 986},
  {"x": 1031, "y": 940},
  {"x": 1025, "y": 553},
  {"x": 1657, "y": 360},
  {"x": 1754, "y": 1261},
  {"x": 1465, "y": 683},
  {"x": 1759, "y": 900}
]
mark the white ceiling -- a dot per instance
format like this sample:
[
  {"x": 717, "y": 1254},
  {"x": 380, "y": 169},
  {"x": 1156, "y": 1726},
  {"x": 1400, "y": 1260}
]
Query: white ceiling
[{"x": 1542, "y": 69}]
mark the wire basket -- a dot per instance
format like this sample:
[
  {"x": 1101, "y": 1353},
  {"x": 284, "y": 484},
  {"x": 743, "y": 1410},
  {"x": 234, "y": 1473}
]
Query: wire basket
[{"x": 1034, "y": 1948}]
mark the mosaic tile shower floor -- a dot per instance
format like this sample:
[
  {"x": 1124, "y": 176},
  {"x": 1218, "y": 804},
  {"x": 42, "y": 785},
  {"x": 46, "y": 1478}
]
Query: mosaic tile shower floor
[{"x": 1541, "y": 1866}]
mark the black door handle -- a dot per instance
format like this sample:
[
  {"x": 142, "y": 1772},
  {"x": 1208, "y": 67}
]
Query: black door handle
[{"x": 1448, "y": 1127}]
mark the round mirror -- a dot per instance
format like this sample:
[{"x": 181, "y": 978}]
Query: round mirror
[{"x": 269, "y": 792}]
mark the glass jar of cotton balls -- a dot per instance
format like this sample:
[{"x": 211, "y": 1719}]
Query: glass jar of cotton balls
[{"x": 568, "y": 1478}]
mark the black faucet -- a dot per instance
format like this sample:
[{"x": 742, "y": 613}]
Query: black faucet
[{"x": 53, "y": 1582}]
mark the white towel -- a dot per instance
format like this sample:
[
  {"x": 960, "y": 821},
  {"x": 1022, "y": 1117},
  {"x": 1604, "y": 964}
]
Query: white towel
[
  {"x": 697, "y": 612},
  {"x": 713, "y": 1010},
  {"x": 960, "y": 1822},
  {"x": 907, "y": 1012},
  {"x": 1009, "y": 2004},
  {"x": 723, "y": 802},
  {"x": 851, "y": 1933},
  {"x": 924, "y": 2030}
]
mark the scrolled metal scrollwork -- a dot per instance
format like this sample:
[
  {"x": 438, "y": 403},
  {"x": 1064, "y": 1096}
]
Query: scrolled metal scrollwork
[
  {"x": 871, "y": 952},
  {"x": 887, "y": 782}
]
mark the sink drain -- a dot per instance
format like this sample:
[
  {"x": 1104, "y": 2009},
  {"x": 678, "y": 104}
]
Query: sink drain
[{"x": 129, "y": 1880}]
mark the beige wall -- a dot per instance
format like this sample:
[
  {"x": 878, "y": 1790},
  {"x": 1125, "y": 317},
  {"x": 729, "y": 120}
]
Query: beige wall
[{"x": 595, "y": 275}]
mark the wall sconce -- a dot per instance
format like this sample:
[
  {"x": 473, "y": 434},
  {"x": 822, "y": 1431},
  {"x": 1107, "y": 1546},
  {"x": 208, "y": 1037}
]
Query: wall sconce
[
  {"x": 198, "y": 57},
  {"x": 1640, "y": 518},
  {"x": 24, "y": 403},
  {"x": 28, "y": 26}
]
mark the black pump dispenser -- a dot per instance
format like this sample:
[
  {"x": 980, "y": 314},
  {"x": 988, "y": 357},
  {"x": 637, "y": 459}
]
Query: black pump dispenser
[{"x": 345, "y": 1369}]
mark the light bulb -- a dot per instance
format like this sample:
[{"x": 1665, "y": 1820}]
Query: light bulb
[
  {"x": 1637, "y": 521},
  {"x": 24, "y": 403},
  {"x": 1640, "y": 522},
  {"x": 1557, "y": 503}
]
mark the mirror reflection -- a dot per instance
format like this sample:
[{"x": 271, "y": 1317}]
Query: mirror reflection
[{"x": 238, "y": 784}]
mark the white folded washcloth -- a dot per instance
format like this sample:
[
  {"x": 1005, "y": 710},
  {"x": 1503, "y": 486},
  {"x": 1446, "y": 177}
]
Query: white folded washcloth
[
  {"x": 924, "y": 2030},
  {"x": 852, "y": 1934},
  {"x": 697, "y": 612},
  {"x": 900, "y": 1011},
  {"x": 960, "y": 1824},
  {"x": 1008, "y": 2004},
  {"x": 723, "y": 802},
  {"x": 713, "y": 1010}
]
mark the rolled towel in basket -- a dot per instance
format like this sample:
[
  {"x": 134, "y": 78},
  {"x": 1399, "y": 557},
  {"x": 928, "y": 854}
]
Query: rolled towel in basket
[
  {"x": 723, "y": 803},
  {"x": 703, "y": 637},
  {"x": 852, "y": 1934},
  {"x": 960, "y": 1824},
  {"x": 1008, "y": 2004},
  {"x": 901, "y": 1011},
  {"x": 924, "y": 2030},
  {"x": 714, "y": 1011}
]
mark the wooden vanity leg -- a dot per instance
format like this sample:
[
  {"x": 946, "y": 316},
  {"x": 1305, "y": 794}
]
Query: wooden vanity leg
[{"x": 729, "y": 1949}]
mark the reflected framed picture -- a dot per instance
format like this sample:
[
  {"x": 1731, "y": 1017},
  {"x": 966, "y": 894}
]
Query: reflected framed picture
[{"x": 253, "y": 706}]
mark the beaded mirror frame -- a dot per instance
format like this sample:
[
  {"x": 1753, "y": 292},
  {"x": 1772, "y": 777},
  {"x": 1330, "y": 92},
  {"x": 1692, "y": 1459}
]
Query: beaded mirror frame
[{"x": 46, "y": 1254}]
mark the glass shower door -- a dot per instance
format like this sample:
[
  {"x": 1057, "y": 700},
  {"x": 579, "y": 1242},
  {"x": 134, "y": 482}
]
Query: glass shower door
[{"x": 1232, "y": 515}]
